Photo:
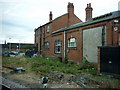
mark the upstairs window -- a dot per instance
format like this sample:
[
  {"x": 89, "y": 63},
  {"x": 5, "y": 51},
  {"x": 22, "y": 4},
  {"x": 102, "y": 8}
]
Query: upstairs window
[
  {"x": 58, "y": 46},
  {"x": 46, "y": 45},
  {"x": 48, "y": 28},
  {"x": 72, "y": 42},
  {"x": 43, "y": 29}
]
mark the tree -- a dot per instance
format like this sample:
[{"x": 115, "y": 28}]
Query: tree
[{"x": 30, "y": 47}]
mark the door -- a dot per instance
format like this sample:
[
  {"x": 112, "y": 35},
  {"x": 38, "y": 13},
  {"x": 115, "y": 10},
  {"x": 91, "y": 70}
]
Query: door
[{"x": 110, "y": 60}]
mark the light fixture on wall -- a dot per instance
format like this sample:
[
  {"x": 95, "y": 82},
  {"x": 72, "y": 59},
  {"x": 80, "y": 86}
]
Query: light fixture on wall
[
  {"x": 115, "y": 28},
  {"x": 115, "y": 25}
]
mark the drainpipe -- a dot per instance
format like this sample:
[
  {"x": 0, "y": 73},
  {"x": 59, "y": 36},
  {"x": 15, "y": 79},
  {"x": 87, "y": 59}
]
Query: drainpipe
[{"x": 64, "y": 44}]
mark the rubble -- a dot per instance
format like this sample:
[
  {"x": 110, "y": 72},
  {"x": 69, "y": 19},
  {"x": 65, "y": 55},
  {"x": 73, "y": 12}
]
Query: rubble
[{"x": 56, "y": 80}]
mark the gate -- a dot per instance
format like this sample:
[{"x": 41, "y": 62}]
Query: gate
[{"x": 110, "y": 60}]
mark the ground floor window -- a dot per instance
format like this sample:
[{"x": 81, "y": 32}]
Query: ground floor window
[
  {"x": 46, "y": 45},
  {"x": 72, "y": 42},
  {"x": 58, "y": 46}
]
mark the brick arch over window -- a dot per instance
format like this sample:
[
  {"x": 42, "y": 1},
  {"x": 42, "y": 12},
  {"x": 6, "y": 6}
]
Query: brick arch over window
[
  {"x": 72, "y": 42},
  {"x": 58, "y": 46}
]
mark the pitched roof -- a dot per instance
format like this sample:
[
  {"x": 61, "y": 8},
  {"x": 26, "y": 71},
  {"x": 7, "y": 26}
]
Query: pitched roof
[
  {"x": 102, "y": 18},
  {"x": 58, "y": 17},
  {"x": 52, "y": 20}
]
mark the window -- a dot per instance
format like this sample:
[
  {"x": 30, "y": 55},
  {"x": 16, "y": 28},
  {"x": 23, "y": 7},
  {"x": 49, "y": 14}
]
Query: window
[
  {"x": 46, "y": 45},
  {"x": 43, "y": 30},
  {"x": 58, "y": 46},
  {"x": 48, "y": 28},
  {"x": 39, "y": 32},
  {"x": 72, "y": 42}
]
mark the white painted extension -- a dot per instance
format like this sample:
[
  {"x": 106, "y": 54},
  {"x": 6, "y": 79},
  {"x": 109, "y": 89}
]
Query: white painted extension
[{"x": 92, "y": 38}]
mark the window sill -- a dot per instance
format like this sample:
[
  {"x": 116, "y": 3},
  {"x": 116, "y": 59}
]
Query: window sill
[
  {"x": 57, "y": 53},
  {"x": 73, "y": 48},
  {"x": 46, "y": 49}
]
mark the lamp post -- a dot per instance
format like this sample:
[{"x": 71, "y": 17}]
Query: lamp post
[
  {"x": 9, "y": 45},
  {"x": 17, "y": 48},
  {"x": 19, "y": 45}
]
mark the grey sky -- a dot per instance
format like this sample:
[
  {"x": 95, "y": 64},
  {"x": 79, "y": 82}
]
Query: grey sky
[{"x": 18, "y": 18}]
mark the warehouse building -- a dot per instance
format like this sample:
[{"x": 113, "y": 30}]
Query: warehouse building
[{"x": 67, "y": 36}]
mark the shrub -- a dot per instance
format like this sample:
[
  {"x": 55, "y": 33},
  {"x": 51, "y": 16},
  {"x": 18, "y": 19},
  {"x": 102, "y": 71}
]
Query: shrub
[
  {"x": 66, "y": 59},
  {"x": 40, "y": 64},
  {"x": 84, "y": 60}
]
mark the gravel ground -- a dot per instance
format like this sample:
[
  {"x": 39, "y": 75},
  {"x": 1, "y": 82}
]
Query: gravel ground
[
  {"x": 30, "y": 80},
  {"x": 58, "y": 80}
]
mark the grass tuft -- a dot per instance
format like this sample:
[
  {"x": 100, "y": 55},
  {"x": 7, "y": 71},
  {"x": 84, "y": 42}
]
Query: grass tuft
[{"x": 45, "y": 64}]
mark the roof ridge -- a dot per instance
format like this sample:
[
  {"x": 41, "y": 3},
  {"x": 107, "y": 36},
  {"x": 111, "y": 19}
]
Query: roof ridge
[
  {"x": 108, "y": 16},
  {"x": 51, "y": 21}
]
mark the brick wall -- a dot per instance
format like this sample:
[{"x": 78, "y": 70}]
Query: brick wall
[
  {"x": 70, "y": 19},
  {"x": 60, "y": 23},
  {"x": 74, "y": 53},
  {"x": 58, "y": 36}
]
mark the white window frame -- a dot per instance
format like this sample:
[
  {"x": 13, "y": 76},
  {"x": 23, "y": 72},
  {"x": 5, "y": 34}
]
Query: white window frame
[
  {"x": 48, "y": 28},
  {"x": 46, "y": 45},
  {"x": 72, "y": 42},
  {"x": 58, "y": 46}
]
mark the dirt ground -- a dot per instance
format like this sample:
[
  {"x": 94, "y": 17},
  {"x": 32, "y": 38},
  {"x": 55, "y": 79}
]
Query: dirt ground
[
  {"x": 32, "y": 80},
  {"x": 61, "y": 80}
]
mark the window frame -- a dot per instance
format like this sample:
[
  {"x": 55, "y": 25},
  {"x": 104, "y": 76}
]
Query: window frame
[
  {"x": 46, "y": 47},
  {"x": 58, "y": 46},
  {"x": 48, "y": 28},
  {"x": 43, "y": 30},
  {"x": 71, "y": 43}
]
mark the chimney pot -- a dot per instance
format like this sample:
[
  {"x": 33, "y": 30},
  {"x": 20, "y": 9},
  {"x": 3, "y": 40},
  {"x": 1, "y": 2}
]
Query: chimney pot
[
  {"x": 88, "y": 11},
  {"x": 50, "y": 16},
  {"x": 89, "y": 4},
  {"x": 70, "y": 8}
]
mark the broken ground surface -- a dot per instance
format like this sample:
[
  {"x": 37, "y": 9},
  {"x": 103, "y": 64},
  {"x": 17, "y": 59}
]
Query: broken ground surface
[
  {"x": 62, "y": 80},
  {"x": 36, "y": 68}
]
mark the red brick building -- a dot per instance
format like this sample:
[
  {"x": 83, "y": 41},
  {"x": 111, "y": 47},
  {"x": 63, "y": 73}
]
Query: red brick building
[
  {"x": 68, "y": 36},
  {"x": 43, "y": 34}
]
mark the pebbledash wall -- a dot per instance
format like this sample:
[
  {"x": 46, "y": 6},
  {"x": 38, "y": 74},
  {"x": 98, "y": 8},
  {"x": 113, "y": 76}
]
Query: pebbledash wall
[{"x": 69, "y": 36}]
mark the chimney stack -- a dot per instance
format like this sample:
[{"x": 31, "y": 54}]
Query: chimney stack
[
  {"x": 70, "y": 8},
  {"x": 88, "y": 12},
  {"x": 50, "y": 16}
]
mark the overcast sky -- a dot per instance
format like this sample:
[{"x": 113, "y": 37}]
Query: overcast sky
[{"x": 19, "y": 18}]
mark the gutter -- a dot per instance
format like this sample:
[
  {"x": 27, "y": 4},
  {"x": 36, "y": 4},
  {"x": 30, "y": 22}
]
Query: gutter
[{"x": 113, "y": 15}]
